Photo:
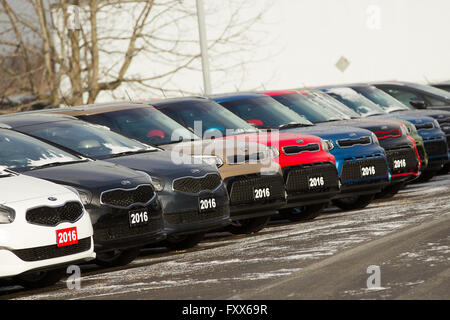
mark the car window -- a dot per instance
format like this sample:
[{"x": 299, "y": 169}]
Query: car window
[
  {"x": 431, "y": 101},
  {"x": 22, "y": 153},
  {"x": 403, "y": 95}
]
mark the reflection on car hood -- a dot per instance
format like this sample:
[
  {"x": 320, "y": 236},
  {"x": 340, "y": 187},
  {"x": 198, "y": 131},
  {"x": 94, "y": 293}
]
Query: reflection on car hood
[{"x": 92, "y": 175}]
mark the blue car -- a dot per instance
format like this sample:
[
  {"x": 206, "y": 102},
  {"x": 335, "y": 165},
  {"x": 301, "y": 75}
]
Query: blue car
[
  {"x": 361, "y": 162},
  {"x": 367, "y": 101}
]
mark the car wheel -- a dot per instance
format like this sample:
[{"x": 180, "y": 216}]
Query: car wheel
[
  {"x": 117, "y": 258},
  {"x": 247, "y": 226},
  {"x": 304, "y": 213},
  {"x": 390, "y": 191},
  {"x": 183, "y": 242},
  {"x": 445, "y": 169},
  {"x": 40, "y": 279},
  {"x": 354, "y": 203}
]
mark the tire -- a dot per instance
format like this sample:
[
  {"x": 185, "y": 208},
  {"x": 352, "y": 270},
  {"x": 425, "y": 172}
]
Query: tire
[
  {"x": 354, "y": 203},
  {"x": 426, "y": 176},
  {"x": 117, "y": 258},
  {"x": 183, "y": 242},
  {"x": 40, "y": 279},
  {"x": 390, "y": 191},
  {"x": 248, "y": 226},
  {"x": 445, "y": 169},
  {"x": 305, "y": 213}
]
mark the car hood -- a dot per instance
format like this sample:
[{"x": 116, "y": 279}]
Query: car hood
[
  {"x": 92, "y": 175},
  {"x": 165, "y": 164},
  {"x": 413, "y": 118},
  {"x": 440, "y": 115},
  {"x": 372, "y": 125},
  {"x": 18, "y": 188},
  {"x": 333, "y": 132}
]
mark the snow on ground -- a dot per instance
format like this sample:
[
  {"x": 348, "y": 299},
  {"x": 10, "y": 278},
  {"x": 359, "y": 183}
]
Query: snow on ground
[{"x": 279, "y": 250}]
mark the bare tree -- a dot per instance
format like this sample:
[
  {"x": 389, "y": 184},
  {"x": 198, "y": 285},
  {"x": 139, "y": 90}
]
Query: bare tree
[{"x": 76, "y": 50}]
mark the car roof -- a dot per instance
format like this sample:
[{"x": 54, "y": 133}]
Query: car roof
[
  {"x": 16, "y": 120},
  {"x": 169, "y": 101},
  {"x": 224, "y": 97}
]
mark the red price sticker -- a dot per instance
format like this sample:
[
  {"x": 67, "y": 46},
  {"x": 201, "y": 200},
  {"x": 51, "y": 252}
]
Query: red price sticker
[{"x": 66, "y": 237}]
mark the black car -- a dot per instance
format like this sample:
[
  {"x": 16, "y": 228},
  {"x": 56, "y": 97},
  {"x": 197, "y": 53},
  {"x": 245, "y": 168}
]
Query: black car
[
  {"x": 113, "y": 196},
  {"x": 192, "y": 196}
]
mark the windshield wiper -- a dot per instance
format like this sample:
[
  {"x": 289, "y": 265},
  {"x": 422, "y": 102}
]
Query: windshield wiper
[
  {"x": 294, "y": 125},
  {"x": 127, "y": 153},
  {"x": 58, "y": 163}
]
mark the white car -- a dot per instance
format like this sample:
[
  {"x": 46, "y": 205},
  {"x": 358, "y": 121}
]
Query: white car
[{"x": 43, "y": 229}]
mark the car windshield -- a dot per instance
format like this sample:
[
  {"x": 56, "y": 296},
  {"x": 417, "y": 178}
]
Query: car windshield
[
  {"x": 433, "y": 90},
  {"x": 146, "y": 125},
  {"x": 90, "y": 140},
  {"x": 305, "y": 105},
  {"x": 355, "y": 101},
  {"x": 207, "y": 118},
  {"x": 23, "y": 153},
  {"x": 330, "y": 102},
  {"x": 266, "y": 113},
  {"x": 381, "y": 98}
]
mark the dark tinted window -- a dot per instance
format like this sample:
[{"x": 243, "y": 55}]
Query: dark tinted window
[
  {"x": 264, "y": 112},
  {"x": 20, "y": 152},
  {"x": 143, "y": 124},
  {"x": 202, "y": 116}
]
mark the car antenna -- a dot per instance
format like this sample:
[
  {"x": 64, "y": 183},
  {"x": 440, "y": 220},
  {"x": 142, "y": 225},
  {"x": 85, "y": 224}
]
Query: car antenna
[
  {"x": 163, "y": 92},
  {"x": 128, "y": 95}
]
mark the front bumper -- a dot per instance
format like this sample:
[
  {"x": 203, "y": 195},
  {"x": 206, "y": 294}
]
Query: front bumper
[
  {"x": 353, "y": 182},
  {"x": 18, "y": 261},
  {"x": 241, "y": 190},
  {"x": 297, "y": 181}
]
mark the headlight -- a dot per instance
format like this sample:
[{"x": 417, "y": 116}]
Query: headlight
[
  {"x": 375, "y": 139},
  {"x": 436, "y": 124},
  {"x": 403, "y": 130},
  {"x": 84, "y": 195},
  {"x": 327, "y": 145},
  {"x": 158, "y": 184},
  {"x": 7, "y": 215},
  {"x": 211, "y": 160},
  {"x": 273, "y": 152}
]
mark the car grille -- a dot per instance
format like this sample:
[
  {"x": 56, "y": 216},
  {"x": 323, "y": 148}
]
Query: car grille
[
  {"x": 290, "y": 150},
  {"x": 252, "y": 157},
  {"x": 343, "y": 143},
  {"x": 195, "y": 185},
  {"x": 51, "y": 216},
  {"x": 195, "y": 216},
  {"x": 241, "y": 188},
  {"x": 122, "y": 198},
  {"x": 53, "y": 251},
  {"x": 388, "y": 134},
  {"x": 406, "y": 153},
  {"x": 424, "y": 126},
  {"x": 297, "y": 177},
  {"x": 116, "y": 226},
  {"x": 436, "y": 148},
  {"x": 351, "y": 171}
]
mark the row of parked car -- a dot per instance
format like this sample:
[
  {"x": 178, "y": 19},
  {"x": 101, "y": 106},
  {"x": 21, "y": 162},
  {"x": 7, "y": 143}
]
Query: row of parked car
[{"x": 100, "y": 182}]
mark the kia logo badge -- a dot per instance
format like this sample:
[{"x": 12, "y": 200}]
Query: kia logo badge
[
  {"x": 52, "y": 199},
  {"x": 125, "y": 182},
  {"x": 195, "y": 170},
  {"x": 300, "y": 141}
]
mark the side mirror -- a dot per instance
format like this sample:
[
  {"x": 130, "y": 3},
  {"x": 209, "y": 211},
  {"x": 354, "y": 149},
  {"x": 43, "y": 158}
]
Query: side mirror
[{"x": 418, "y": 103}]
